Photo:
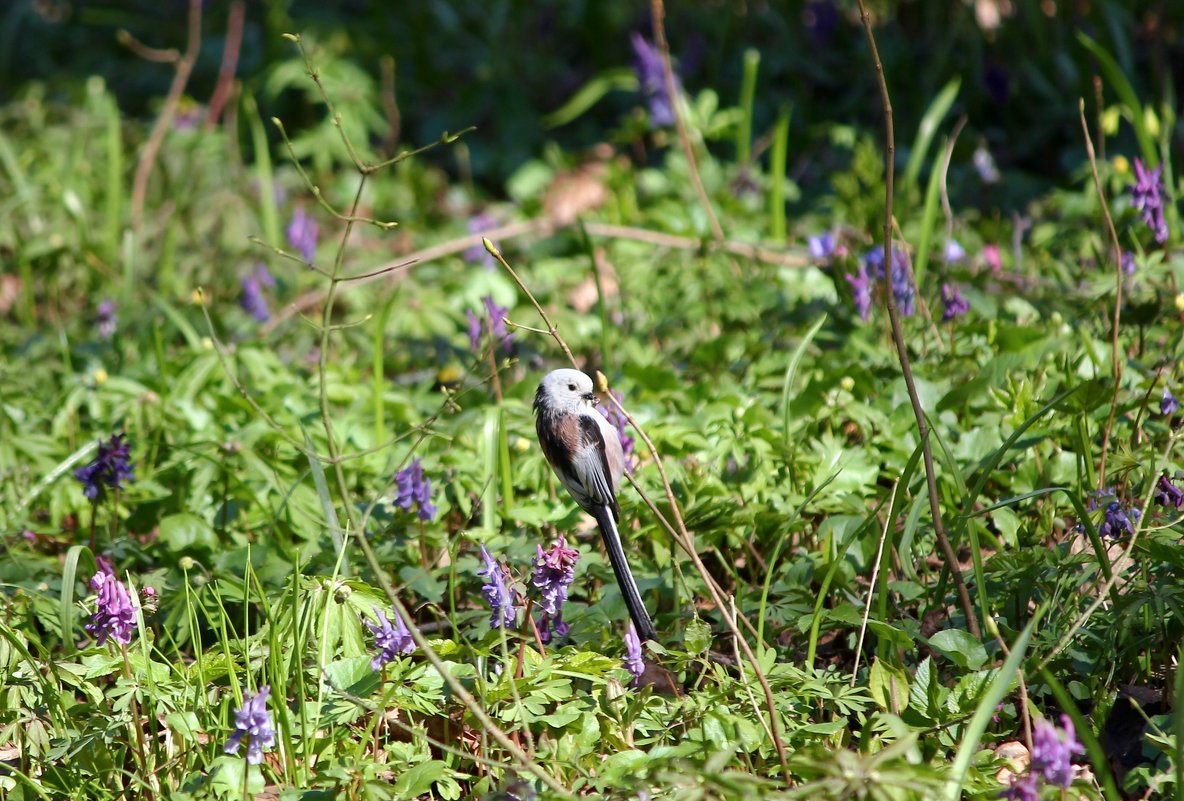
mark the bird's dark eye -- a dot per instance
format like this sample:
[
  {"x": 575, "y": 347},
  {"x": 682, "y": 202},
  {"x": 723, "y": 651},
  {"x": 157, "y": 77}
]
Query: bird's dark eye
[{"x": 572, "y": 387}]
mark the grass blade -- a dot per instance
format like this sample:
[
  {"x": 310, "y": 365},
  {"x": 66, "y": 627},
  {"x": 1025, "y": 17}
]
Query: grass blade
[{"x": 927, "y": 129}]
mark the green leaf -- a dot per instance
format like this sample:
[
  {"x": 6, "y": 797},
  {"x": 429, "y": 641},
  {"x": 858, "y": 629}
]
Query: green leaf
[
  {"x": 187, "y": 532},
  {"x": 698, "y": 637},
  {"x": 889, "y": 687},
  {"x": 961, "y": 647}
]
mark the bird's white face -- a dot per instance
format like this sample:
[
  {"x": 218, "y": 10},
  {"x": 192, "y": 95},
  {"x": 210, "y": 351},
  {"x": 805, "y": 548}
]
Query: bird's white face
[{"x": 568, "y": 390}]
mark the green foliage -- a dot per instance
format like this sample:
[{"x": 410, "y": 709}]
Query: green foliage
[{"x": 266, "y": 456}]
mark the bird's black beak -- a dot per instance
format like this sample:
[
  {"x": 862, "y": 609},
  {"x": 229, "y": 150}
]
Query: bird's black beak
[{"x": 591, "y": 398}]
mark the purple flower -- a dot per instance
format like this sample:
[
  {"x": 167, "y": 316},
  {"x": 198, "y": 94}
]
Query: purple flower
[
  {"x": 414, "y": 488},
  {"x": 390, "y": 640},
  {"x": 955, "y": 304},
  {"x": 554, "y": 571},
  {"x": 252, "y": 721},
  {"x": 633, "y": 660},
  {"x": 106, "y": 320},
  {"x": 1168, "y": 403},
  {"x": 477, "y": 254},
  {"x": 984, "y": 164},
  {"x": 474, "y": 321},
  {"x": 1119, "y": 518},
  {"x": 494, "y": 321},
  {"x": 1168, "y": 494},
  {"x": 1022, "y": 788},
  {"x": 108, "y": 469},
  {"x": 1053, "y": 750},
  {"x": 647, "y": 63},
  {"x": 253, "y": 301},
  {"x": 821, "y": 18},
  {"x": 954, "y": 252},
  {"x": 497, "y": 593},
  {"x": 621, "y": 424},
  {"x": 821, "y": 246},
  {"x": 302, "y": 234},
  {"x": 901, "y": 282},
  {"x": 993, "y": 257},
  {"x": 1146, "y": 198},
  {"x": 115, "y": 614},
  {"x": 861, "y": 289},
  {"x": 1128, "y": 263}
]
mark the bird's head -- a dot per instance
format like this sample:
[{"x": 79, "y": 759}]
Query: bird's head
[{"x": 565, "y": 390}]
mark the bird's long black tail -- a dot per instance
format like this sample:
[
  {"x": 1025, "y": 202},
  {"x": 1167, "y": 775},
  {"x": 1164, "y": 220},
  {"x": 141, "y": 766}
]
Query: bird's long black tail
[{"x": 616, "y": 557}]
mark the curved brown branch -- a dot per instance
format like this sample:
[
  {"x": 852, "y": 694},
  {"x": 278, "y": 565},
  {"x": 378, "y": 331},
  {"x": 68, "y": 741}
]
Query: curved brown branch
[{"x": 902, "y": 353}]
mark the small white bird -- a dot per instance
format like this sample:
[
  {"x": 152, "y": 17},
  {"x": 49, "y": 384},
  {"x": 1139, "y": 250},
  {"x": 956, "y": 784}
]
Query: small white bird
[{"x": 584, "y": 450}]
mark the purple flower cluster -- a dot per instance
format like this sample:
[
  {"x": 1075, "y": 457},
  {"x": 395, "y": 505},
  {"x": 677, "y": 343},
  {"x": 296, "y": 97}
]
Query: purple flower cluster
[
  {"x": 497, "y": 592},
  {"x": 302, "y": 234},
  {"x": 253, "y": 722},
  {"x": 1147, "y": 198},
  {"x": 621, "y": 424},
  {"x": 414, "y": 488},
  {"x": 253, "y": 300},
  {"x": 633, "y": 658},
  {"x": 494, "y": 321},
  {"x": 1118, "y": 519},
  {"x": 955, "y": 253},
  {"x": 554, "y": 571},
  {"x": 108, "y": 470},
  {"x": 477, "y": 254},
  {"x": 900, "y": 280},
  {"x": 1167, "y": 494},
  {"x": 115, "y": 614},
  {"x": 861, "y": 290},
  {"x": 1053, "y": 750},
  {"x": 106, "y": 320},
  {"x": 647, "y": 63},
  {"x": 822, "y": 247},
  {"x": 390, "y": 640},
  {"x": 1168, "y": 403},
  {"x": 955, "y": 305}
]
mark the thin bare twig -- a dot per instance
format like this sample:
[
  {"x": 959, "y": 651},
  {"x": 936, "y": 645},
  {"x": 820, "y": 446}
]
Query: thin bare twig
[
  {"x": 165, "y": 121},
  {"x": 902, "y": 353},
  {"x": 681, "y": 535},
  {"x": 230, "y": 50},
  {"x": 546, "y": 227},
  {"x": 658, "y": 13},
  {"x": 1116, "y": 360}
]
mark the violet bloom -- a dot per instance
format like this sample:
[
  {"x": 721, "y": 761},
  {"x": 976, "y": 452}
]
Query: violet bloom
[
  {"x": 415, "y": 488},
  {"x": 984, "y": 164},
  {"x": 1128, "y": 263},
  {"x": 861, "y": 289},
  {"x": 108, "y": 470},
  {"x": 633, "y": 659},
  {"x": 1168, "y": 403},
  {"x": 302, "y": 234},
  {"x": 1146, "y": 197},
  {"x": 477, "y": 254},
  {"x": 497, "y": 322},
  {"x": 252, "y": 721},
  {"x": 106, "y": 320},
  {"x": 474, "y": 321},
  {"x": 554, "y": 571},
  {"x": 115, "y": 614},
  {"x": 1022, "y": 788},
  {"x": 954, "y": 252},
  {"x": 253, "y": 300},
  {"x": 1118, "y": 519},
  {"x": 497, "y": 593},
  {"x": 621, "y": 424},
  {"x": 822, "y": 247},
  {"x": 1168, "y": 494},
  {"x": 390, "y": 640},
  {"x": 899, "y": 280},
  {"x": 955, "y": 304},
  {"x": 647, "y": 63},
  {"x": 1053, "y": 750}
]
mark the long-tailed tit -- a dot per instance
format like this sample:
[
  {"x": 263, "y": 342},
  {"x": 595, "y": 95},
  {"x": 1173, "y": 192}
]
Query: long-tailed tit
[{"x": 585, "y": 452}]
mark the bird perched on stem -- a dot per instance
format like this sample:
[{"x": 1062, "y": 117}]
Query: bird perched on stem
[{"x": 584, "y": 451}]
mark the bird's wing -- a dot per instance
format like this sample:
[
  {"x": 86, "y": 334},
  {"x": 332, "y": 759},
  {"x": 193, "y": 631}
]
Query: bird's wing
[{"x": 593, "y": 465}]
